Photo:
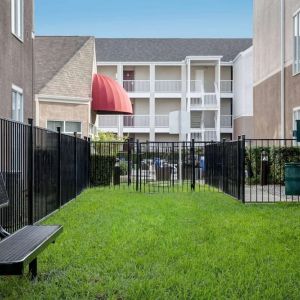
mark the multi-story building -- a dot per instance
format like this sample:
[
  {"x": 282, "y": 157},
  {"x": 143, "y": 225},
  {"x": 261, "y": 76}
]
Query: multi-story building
[
  {"x": 64, "y": 69},
  {"x": 276, "y": 51},
  {"x": 16, "y": 59},
  {"x": 167, "y": 75}
]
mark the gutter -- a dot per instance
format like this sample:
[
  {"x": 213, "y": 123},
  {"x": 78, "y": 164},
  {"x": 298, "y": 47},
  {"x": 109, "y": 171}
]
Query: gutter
[{"x": 282, "y": 79}]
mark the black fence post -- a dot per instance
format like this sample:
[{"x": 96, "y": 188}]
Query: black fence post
[
  {"x": 193, "y": 165},
  {"x": 137, "y": 164},
  {"x": 59, "y": 167},
  {"x": 89, "y": 162},
  {"x": 238, "y": 167},
  {"x": 243, "y": 165},
  {"x": 30, "y": 173},
  {"x": 128, "y": 163},
  {"x": 223, "y": 163},
  {"x": 75, "y": 162}
]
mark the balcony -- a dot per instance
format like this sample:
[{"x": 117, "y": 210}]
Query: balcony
[
  {"x": 196, "y": 86},
  {"x": 226, "y": 86},
  {"x": 204, "y": 135},
  {"x": 226, "y": 121},
  {"x": 136, "y": 121},
  {"x": 209, "y": 100},
  {"x": 108, "y": 121},
  {"x": 162, "y": 121},
  {"x": 136, "y": 86},
  {"x": 168, "y": 86}
]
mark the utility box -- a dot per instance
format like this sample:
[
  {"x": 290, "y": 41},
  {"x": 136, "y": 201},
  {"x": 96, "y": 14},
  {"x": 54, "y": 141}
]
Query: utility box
[
  {"x": 292, "y": 179},
  {"x": 296, "y": 133}
]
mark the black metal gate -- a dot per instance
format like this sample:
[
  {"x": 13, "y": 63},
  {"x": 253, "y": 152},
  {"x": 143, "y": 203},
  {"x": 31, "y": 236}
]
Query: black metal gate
[{"x": 225, "y": 163}]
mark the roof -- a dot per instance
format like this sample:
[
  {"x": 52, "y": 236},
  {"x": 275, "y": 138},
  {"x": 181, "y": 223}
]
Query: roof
[
  {"x": 56, "y": 57},
  {"x": 159, "y": 50}
]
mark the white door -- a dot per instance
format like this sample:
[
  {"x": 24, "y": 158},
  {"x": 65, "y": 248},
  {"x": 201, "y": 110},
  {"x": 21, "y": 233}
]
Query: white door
[{"x": 199, "y": 80}]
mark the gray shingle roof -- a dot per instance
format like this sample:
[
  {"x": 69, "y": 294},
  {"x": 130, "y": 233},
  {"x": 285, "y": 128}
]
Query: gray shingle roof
[
  {"x": 51, "y": 54},
  {"x": 149, "y": 50}
]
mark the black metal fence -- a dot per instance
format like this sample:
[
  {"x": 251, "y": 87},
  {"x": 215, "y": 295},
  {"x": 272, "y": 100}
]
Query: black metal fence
[
  {"x": 265, "y": 161},
  {"x": 248, "y": 170},
  {"x": 42, "y": 169},
  {"x": 150, "y": 166}
]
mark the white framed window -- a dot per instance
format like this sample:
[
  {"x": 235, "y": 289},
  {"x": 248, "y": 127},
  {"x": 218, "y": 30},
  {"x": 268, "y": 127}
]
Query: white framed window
[
  {"x": 67, "y": 127},
  {"x": 17, "y": 104},
  {"x": 17, "y": 18}
]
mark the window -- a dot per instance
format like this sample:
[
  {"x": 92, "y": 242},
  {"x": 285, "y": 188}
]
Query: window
[
  {"x": 72, "y": 127},
  {"x": 68, "y": 127},
  {"x": 52, "y": 125},
  {"x": 17, "y": 104},
  {"x": 296, "y": 116},
  {"x": 17, "y": 18},
  {"x": 296, "y": 67}
]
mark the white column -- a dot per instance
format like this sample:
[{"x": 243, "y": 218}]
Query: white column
[
  {"x": 152, "y": 102},
  {"x": 218, "y": 82},
  {"x": 120, "y": 74},
  {"x": 183, "y": 105},
  {"x": 189, "y": 91},
  {"x": 120, "y": 81}
]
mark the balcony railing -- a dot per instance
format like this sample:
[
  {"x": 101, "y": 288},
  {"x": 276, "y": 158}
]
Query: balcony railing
[
  {"x": 208, "y": 100},
  {"x": 226, "y": 121},
  {"x": 196, "y": 86},
  {"x": 168, "y": 86},
  {"x": 162, "y": 121},
  {"x": 226, "y": 86},
  {"x": 136, "y": 121},
  {"x": 137, "y": 86},
  {"x": 108, "y": 121},
  {"x": 204, "y": 135}
]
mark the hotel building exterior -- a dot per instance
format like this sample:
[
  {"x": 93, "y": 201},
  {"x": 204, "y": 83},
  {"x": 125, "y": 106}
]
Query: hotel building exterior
[
  {"x": 196, "y": 76},
  {"x": 276, "y": 51},
  {"x": 16, "y": 59}
]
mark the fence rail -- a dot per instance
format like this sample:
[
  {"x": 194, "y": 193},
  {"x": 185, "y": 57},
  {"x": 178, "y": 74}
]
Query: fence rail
[{"x": 42, "y": 170}]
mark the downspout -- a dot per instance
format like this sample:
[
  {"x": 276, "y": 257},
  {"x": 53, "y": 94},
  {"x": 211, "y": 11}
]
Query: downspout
[{"x": 282, "y": 79}]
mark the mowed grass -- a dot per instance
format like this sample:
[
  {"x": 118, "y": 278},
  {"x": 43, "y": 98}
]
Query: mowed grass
[{"x": 204, "y": 245}]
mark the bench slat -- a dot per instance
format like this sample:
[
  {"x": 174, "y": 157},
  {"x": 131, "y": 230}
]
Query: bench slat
[{"x": 25, "y": 243}]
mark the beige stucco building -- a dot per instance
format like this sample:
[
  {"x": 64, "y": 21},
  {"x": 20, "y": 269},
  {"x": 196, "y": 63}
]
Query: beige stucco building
[
  {"x": 276, "y": 54},
  {"x": 163, "y": 76},
  {"x": 64, "y": 69}
]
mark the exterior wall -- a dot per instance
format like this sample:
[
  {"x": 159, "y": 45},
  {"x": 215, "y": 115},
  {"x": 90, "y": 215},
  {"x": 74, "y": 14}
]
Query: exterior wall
[
  {"x": 266, "y": 45},
  {"x": 226, "y": 107},
  {"x": 164, "y": 137},
  {"x": 226, "y": 73},
  {"x": 110, "y": 71},
  {"x": 167, "y": 73},
  {"x": 142, "y": 137},
  {"x": 50, "y": 111},
  {"x": 141, "y": 107},
  {"x": 165, "y": 106},
  {"x": 140, "y": 72},
  {"x": 16, "y": 65},
  {"x": 243, "y": 126},
  {"x": 243, "y": 97},
  {"x": 209, "y": 77},
  {"x": 267, "y": 72}
]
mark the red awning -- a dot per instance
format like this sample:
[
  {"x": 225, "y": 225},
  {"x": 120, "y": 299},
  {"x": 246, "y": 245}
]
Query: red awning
[{"x": 109, "y": 97}]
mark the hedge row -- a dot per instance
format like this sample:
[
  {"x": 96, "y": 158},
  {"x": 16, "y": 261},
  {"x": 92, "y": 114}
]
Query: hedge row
[
  {"x": 277, "y": 158},
  {"x": 102, "y": 169}
]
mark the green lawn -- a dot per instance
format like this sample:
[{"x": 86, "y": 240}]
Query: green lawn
[{"x": 127, "y": 245}]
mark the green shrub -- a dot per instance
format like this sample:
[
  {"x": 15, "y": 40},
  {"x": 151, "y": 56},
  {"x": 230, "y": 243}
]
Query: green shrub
[
  {"x": 102, "y": 170},
  {"x": 278, "y": 157}
]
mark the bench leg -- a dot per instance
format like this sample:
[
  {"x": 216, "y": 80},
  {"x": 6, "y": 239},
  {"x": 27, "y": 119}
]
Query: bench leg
[{"x": 33, "y": 269}]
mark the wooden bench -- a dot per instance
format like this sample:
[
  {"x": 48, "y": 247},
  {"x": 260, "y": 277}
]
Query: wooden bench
[{"x": 22, "y": 247}]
